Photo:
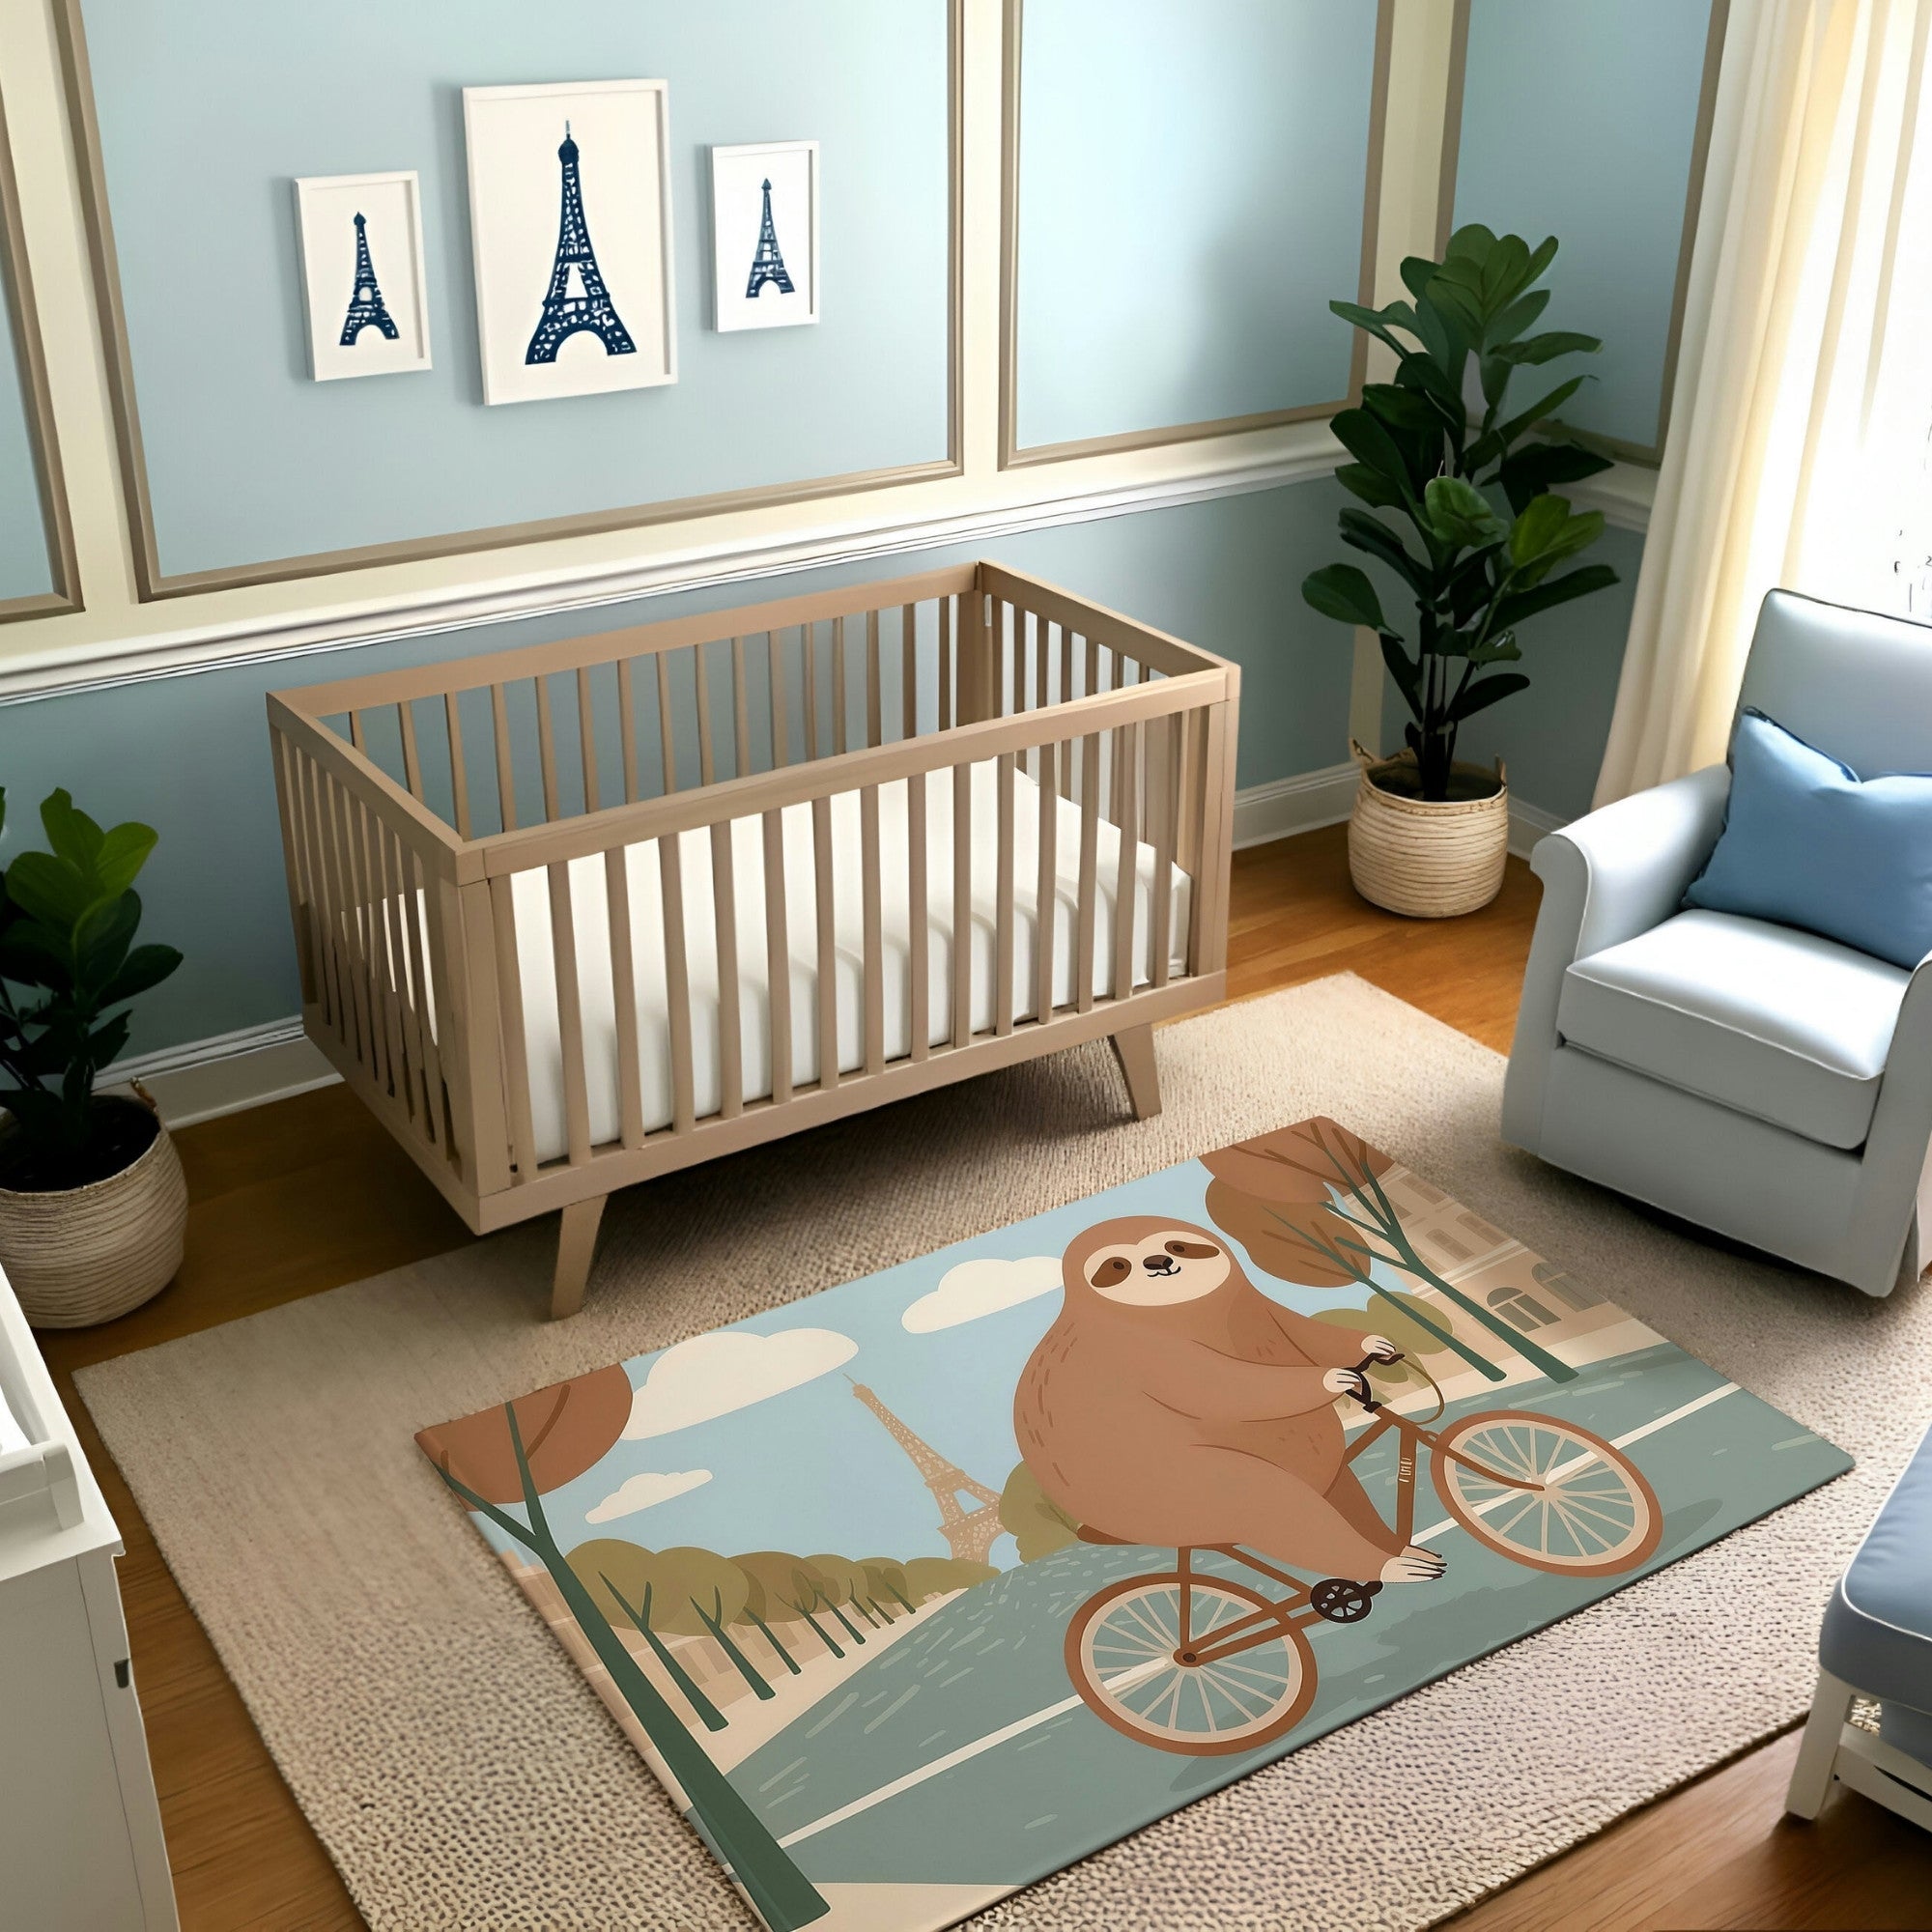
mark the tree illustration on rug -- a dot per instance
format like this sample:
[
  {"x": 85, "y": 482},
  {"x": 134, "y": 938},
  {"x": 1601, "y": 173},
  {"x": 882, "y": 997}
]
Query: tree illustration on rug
[
  {"x": 624, "y": 1577},
  {"x": 1308, "y": 1204},
  {"x": 491, "y": 1462}
]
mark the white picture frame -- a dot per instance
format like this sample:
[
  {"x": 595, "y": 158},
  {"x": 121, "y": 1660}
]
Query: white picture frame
[
  {"x": 374, "y": 324},
  {"x": 541, "y": 337},
  {"x": 746, "y": 292}
]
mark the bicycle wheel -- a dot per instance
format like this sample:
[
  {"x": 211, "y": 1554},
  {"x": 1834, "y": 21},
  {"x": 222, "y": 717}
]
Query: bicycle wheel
[
  {"x": 1121, "y": 1656},
  {"x": 1593, "y": 1514}
]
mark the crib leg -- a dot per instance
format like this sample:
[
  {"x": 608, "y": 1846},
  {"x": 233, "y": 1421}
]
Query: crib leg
[
  {"x": 1134, "y": 1050},
  {"x": 576, "y": 1243}
]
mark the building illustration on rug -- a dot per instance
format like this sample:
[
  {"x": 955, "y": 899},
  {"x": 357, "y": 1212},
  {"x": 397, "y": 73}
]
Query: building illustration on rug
[{"x": 1257, "y": 1365}]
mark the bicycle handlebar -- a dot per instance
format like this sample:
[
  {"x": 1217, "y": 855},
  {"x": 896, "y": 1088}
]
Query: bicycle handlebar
[{"x": 1370, "y": 1404}]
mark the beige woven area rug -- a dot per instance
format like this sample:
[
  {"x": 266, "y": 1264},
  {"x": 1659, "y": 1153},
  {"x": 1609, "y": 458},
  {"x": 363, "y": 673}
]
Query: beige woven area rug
[{"x": 463, "y": 1774}]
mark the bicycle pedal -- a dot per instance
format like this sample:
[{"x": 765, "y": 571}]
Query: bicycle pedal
[{"x": 1338, "y": 1600}]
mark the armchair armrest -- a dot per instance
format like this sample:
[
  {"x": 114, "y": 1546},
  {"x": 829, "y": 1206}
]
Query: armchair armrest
[
  {"x": 1893, "y": 1177},
  {"x": 1607, "y": 878}
]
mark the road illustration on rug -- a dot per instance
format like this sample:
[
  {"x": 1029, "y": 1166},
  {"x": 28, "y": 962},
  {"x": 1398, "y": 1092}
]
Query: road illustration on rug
[{"x": 1217, "y": 1395}]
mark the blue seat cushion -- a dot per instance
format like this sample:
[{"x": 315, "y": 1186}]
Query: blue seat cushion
[
  {"x": 1878, "y": 1629},
  {"x": 1807, "y": 842}
]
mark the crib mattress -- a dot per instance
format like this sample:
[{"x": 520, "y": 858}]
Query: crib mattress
[{"x": 591, "y": 917}]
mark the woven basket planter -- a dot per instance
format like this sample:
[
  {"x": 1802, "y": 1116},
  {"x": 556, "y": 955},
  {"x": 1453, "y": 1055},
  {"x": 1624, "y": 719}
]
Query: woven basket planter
[
  {"x": 1424, "y": 859},
  {"x": 81, "y": 1255}
]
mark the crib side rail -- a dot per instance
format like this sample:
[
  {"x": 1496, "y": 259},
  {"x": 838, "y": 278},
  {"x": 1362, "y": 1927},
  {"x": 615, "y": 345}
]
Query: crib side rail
[{"x": 390, "y": 984}]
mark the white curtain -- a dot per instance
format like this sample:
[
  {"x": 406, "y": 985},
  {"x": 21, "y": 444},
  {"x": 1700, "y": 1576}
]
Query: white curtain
[{"x": 1797, "y": 452}]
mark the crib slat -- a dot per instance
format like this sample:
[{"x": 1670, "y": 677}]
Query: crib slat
[
  {"x": 909, "y": 670},
  {"x": 875, "y": 724},
  {"x": 510, "y": 1007},
  {"x": 411, "y": 909},
  {"x": 946, "y": 608},
  {"x": 707, "y": 773},
  {"x": 677, "y": 983},
  {"x": 1013, "y": 630},
  {"x": 808, "y": 643},
  {"x": 778, "y": 957},
  {"x": 569, "y": 1012},
  {"x": 781, "y": 734},
  {"x": 383, "y": 956},
  {"x": 828, "y": 953},
  {"x": 327, "y": 904},
  {"x": 356, "y": 734},
  {"x": 1042, "y": 643},
  {"x": 547, "y": 750},
  {"x": 741, "y": 710},
  {"x": 962, "y": 904},
  {"x": 1127, "y": 765},
  {"x": 1087, "y": 909},
  {"x": 627, "y": 728},
  {"x": 1162, "y": 766},
  {"x": 342, "y": 826},
  {"x": 459, "y": 770},
  {"x": 666, "y": 730},
  {"x": 1003, "y": 897},
  {"x": 918, "y": 919},
  {"x": 1067, "y": 697},
  {"x": 730, "y": 1033},
  {"x": 412, "y": 766},
  {"x": 871, "y": 889},
  {"x": 1046, "y": 883},
  {"x": 624, "y": 996},
  {"x": 838, "y": 720},
  {"x": 301, "y": 856},
  {"x": 506, "y": 783},
  {"x": 587, "y": 739}
]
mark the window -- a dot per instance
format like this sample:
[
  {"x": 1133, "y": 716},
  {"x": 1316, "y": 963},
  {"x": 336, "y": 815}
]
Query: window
[{"x": 1520, "y": 1309}]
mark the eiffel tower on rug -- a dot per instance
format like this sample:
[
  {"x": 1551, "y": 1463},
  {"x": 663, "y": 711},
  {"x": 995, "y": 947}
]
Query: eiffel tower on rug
[
  {"x": 969, "y": 1533},
  {"x": 367, "y": 309},
  {"x": 767, "y": 265},
  {"x": 590, "y": 307}
]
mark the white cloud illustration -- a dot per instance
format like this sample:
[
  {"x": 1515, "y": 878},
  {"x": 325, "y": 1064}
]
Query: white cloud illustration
[
  {"x": 712, "y": 1375},
  {"x": 973, "y": 1288},
  {"x": 639, "y": 1491}
]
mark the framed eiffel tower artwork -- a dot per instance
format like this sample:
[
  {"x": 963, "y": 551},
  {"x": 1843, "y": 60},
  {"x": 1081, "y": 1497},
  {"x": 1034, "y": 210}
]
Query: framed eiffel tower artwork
[
  {"x": 362, "y": 273},
  {"x": 764, "y": 234},
  {"x": 570, "y": 228}
]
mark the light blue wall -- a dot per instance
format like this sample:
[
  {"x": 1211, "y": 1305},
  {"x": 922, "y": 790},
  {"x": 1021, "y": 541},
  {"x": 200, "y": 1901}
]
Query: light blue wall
[
  {"x": 1551, "y": 736},
  {"x": 189, "y": 754},
  {"x": 209, "y": 108},
  {"x": 1191, "y": 189},
  {"x": 1577, "y": 120},
  {"x": 26, "y": 564}
]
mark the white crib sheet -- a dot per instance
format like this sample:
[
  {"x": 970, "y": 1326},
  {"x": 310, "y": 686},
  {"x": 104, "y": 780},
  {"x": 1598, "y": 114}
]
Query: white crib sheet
[{"x": 589, "y": 911}]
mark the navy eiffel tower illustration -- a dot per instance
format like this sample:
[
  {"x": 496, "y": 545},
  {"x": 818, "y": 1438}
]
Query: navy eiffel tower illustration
[
  {"x": 589, "y": 306},
  {"x": 767, "y": 265},
  {"x": 367, "y": 309}
]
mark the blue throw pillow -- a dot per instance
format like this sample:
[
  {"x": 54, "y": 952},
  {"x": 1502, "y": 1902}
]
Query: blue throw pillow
[{"x": 1807, "y": 842}]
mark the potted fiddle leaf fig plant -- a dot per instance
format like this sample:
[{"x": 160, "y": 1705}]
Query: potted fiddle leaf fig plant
[
  {"x": 93, "y": 1202},
  {"x": 1461, "y": 513}
]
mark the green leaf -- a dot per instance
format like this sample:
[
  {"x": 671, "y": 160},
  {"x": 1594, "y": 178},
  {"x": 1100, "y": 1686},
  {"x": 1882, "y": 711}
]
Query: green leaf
[
  {"x": 48, "y": 889},
  {"x": 103, "y": 935},
  {"x": 1401, "y": 409},
  {"x": 1459, "y": 513},
  {"x": 1364, "y": 532},
  {"x": 145, "y": 966},
  {"x": 124, "y": 851},
  {"x": 1369, "y": 442},
  {"x": 1416, "y": 270},
  {"x": 1340, "y": 590},
  {"x": 1547, "y": 348},
  {"x": 1404, "y": 669},
  {"x": 1504, "y": 274},
  {"x": 104, "y": 1042},
  {"x": 1516, "y": 316},
  {"x": 1369, "y": 320},
  {"x": 71, "y": 832},
  {"x": 1507, "y": 432},
  {"x": 1521, "y": 605},
  {"x": 1371, "y": 486},
  {"x": 1540, "y": 259},
  {"x": 1529, "y": 472},
  {"x": 1485, "y": 691},
  {"x": 1473, "y": 242},
  {"x": 1500, "y": 647},
  {"x": 1537, "y": 527}
]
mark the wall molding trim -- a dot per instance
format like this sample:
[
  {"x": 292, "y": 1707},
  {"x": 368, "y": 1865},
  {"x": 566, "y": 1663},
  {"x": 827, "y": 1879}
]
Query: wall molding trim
[
  {"x": 1301, "y": 802},
  {"x": 1529, "y": 823},
  {"x": 220, "y": 646}
]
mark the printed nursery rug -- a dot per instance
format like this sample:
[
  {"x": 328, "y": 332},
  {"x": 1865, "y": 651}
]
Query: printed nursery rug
[
  {"x": 462, "y": 1772},
  {"x": 1145, "y": 1472}
]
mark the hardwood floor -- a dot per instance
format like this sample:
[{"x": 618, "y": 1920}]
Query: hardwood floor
[{"x": 302, "y": 1196}]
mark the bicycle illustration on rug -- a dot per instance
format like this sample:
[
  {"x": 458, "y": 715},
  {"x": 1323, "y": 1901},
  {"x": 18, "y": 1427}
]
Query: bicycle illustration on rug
[{"x": 1207, "y": 1665}]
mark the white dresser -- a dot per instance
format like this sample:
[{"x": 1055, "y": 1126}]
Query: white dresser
[{"x": 80, "y": 1832}]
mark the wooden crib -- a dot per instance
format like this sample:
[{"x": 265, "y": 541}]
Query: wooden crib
[{"x": 572, "y": 916}]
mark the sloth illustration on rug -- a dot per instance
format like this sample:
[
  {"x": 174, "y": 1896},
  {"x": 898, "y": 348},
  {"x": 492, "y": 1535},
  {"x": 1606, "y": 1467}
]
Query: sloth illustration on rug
[{"x": 1139, "y": 1515}]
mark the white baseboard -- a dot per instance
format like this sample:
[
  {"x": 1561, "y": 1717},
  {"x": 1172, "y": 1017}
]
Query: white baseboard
[
  {"x": 203, "y": 1079},
  {"x": 1298, "y": 803}
]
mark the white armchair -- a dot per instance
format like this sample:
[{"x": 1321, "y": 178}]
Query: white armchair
[{"x": 1760, "y": 1081}]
